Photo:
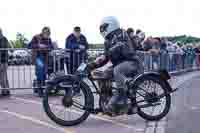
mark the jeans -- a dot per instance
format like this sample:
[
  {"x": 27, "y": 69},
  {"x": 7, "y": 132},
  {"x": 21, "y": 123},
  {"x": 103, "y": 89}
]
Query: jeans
[
  {"x": 40, "y": 68},
  {"x": 3, "y": 75},
  {"x": 155, "y": 62},
  {"x": 163, "y": 60},
  {"x": 147, "y": 62},
  {"x": 126, "y": 70},
  {"x": 172, "y": 62}
]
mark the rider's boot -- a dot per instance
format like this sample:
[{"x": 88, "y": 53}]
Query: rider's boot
[
  {"x": 132, "y": 109},
  {"x": 118, "y": 102}
]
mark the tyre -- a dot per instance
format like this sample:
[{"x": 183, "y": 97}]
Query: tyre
[
  {"x": 5, "y": 92},
  {"x": 152, "y": 98},
  {"x": 69, "y": 103}
]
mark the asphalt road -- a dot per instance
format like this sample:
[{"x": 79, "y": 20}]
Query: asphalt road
[
  {"x": 23, "y": 112},
  {"x": 185, "y": 114}
]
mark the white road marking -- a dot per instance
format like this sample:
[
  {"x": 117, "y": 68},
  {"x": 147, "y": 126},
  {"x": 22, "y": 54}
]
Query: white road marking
[
  {"x": 74, "y": 111},
  {"x": 195, "y": 108},
  {"x": 34, "y": 120}
]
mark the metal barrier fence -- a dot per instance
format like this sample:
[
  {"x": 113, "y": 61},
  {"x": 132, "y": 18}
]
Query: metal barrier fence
[{"x": 21, "y": 69}]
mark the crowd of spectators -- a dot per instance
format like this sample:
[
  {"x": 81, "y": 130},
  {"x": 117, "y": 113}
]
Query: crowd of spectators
[{"x": 161, "y": 53}]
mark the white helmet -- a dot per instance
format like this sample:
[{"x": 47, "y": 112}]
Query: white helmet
[{"x": 108, "y": 25}]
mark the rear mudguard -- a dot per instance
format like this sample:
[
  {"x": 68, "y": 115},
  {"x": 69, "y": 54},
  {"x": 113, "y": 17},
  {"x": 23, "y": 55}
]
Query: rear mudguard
[{"x": 162, "y": 74}]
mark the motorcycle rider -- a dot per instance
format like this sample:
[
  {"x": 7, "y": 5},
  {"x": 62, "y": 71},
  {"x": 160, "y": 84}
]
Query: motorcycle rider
[{"x": 119, "y": 51}]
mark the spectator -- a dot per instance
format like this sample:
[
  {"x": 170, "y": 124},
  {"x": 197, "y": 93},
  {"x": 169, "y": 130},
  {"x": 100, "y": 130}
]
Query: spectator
[
  {"x": 197, "y": 51},
  {"x": 190, "y": 56},
  {"x": 140, "y": 35},
  {"x": 78, "y": 45},
  {"x": 155, "y": 51},
  {"x": 41, "y": 44},
  {"x": 152, "y": 47},
  {"x": 163, "y": 54},
  {"x": 4, "y": 60},
  {"x": 136, "y": 45},
  {"x": 130, "y": 32},
  {"x": 184, "y": 58},
  {"x": 171, "y": 51},
  {"x": 178, "y": 56},
  {"x": 147, "y": 55}
]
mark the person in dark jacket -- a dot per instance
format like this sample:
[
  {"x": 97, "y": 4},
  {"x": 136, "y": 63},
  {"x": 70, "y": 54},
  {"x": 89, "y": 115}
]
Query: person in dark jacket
[
  {"x": 41, "y": 45},
  {"x": 136, "y": 45},
  {"x": 4, "y": 61},
  {"x": 78, "y": 45},
  {"x": 130, "y": 32}
]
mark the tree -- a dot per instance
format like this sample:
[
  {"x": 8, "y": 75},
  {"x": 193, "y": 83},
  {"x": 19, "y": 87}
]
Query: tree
[
  {"x": 20, "y": 42},
  {"x": 183, "y": 39}
]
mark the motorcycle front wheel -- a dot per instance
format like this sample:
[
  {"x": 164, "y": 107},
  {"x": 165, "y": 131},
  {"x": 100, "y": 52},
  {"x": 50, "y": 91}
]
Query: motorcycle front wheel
[{"x": 66, "y": 108}]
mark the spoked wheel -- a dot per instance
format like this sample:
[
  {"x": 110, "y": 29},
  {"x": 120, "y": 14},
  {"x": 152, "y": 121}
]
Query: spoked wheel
[
  {"x": 66, "y": 108},
  {"x": 152, "y": 97}
]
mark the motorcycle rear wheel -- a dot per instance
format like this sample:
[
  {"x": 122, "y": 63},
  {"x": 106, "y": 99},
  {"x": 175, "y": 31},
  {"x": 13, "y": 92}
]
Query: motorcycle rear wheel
[{"x": 166, "y": 95}]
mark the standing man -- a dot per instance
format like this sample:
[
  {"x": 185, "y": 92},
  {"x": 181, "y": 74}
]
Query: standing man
[
  {"x": 78, "y": 45},
  {"x": 163, "y": 53},
  {"x": 140, "y": 35},
  {"x": 4, "y": 61},
  {"x": 135, "y": 43},
  {"x": 152, "y": 48},
  {"x": 41, "y": 45}
]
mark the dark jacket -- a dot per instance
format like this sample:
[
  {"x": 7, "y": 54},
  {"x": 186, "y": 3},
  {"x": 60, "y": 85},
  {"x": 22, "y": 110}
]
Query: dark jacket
[
  {"x": 34, "y": 44},
  {"x": 4, "y": 53},
  {"x": 38, "y": 39},
  {"x": 118, "y": 48},
  {"x": 73, "y": 43},
  {"x": 136, "y": 45}
]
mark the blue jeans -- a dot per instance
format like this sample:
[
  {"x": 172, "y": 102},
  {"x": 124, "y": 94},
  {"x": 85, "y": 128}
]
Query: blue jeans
[
  {"x": 155, "y": 62},
  {"x": 163, "y": 60},
  {"x": 147, "y": 62},
  {"x": 172, "y": 63},
  {"x": 40, "y": 68}
]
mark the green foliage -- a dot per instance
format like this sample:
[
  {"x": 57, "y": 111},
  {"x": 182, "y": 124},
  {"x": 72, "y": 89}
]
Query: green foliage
[
  {"x": 20, "y": 42},
  {"x": 183, "y": 39},
  {"x": 96, "y": 46}
]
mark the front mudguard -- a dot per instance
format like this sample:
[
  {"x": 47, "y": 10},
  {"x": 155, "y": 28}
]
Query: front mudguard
[{"x": 161, "y": 74}]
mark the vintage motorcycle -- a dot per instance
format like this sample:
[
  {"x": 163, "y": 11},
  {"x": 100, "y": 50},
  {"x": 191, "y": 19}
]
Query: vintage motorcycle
[{"x": 146, "y": 92}]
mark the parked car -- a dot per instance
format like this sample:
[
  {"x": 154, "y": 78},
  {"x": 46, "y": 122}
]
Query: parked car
[{"x": 20, "y": 57}]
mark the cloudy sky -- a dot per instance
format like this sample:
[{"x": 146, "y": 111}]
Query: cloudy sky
[{"x": 155, "y": 17}]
